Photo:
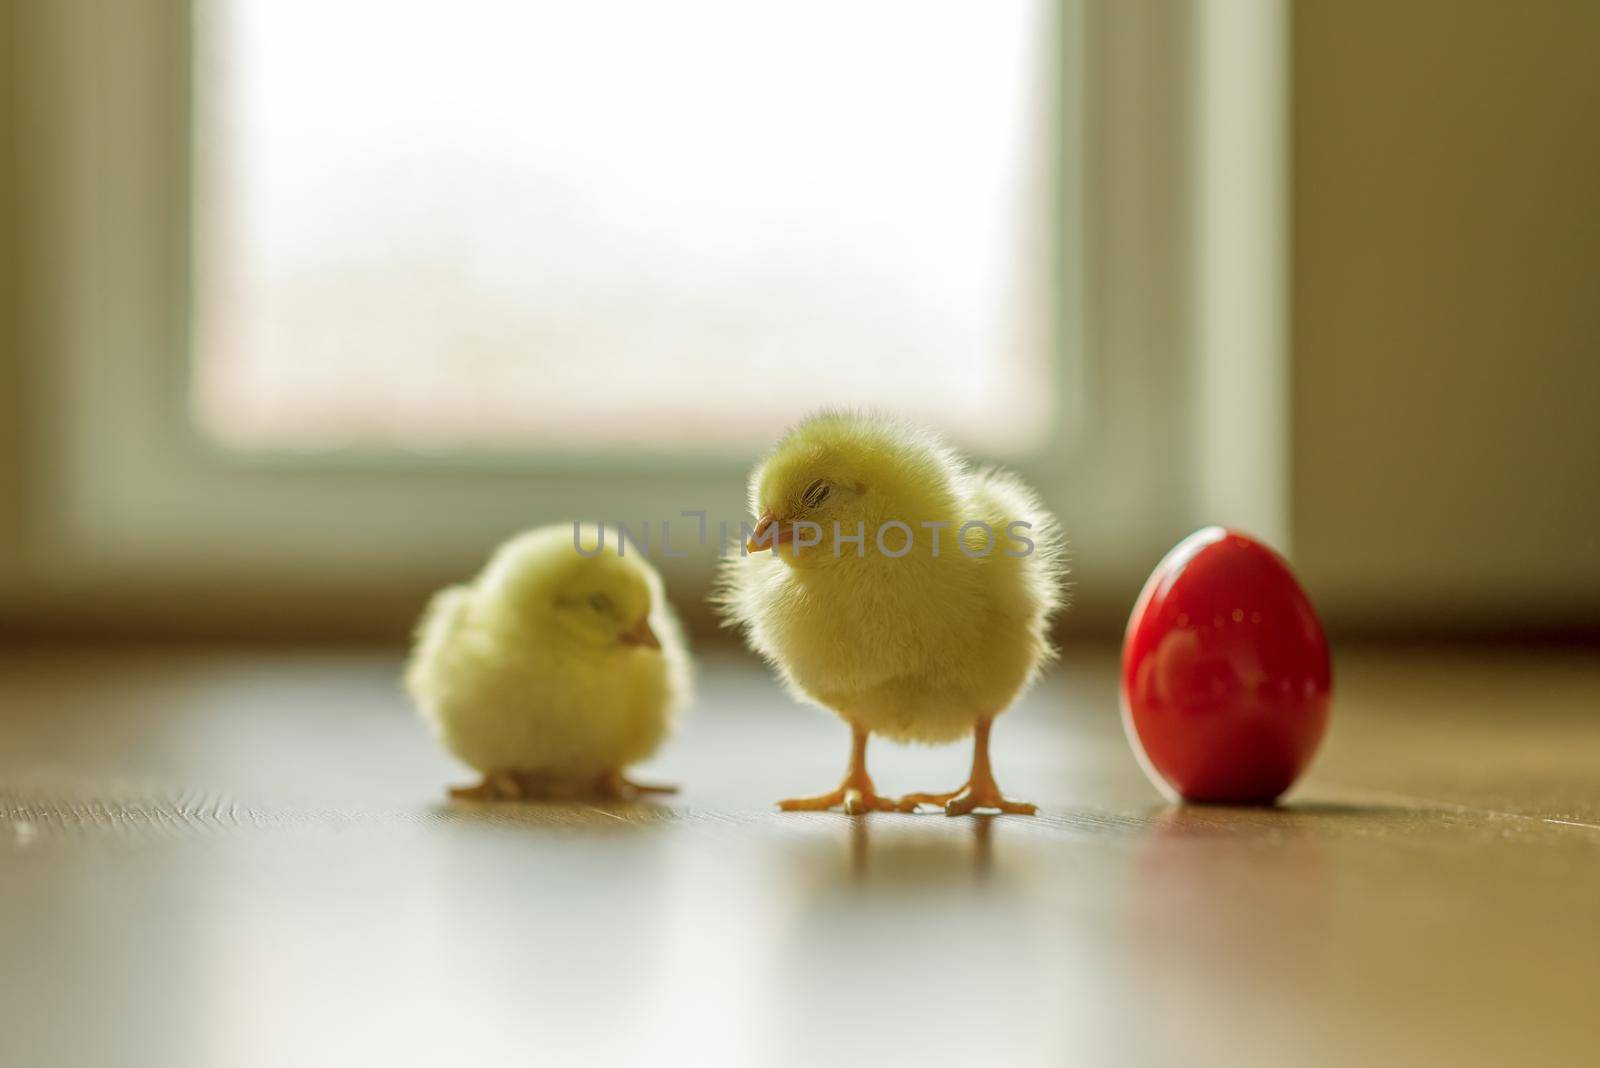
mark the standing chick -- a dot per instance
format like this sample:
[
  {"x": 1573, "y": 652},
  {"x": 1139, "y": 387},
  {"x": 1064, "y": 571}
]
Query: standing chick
[
  {"x": 925, "y": 629},
  {"x": 554, "y": 670}
]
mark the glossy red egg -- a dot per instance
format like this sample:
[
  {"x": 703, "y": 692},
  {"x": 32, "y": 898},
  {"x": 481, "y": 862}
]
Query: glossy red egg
[{"x": 1225, "y": 674}]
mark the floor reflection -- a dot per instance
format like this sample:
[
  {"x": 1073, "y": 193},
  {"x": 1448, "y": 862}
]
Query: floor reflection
[
  {"x": 869, "y": 939},
  {"x": 1213, "y": 889},
  {"x": 979, "y": 860}
]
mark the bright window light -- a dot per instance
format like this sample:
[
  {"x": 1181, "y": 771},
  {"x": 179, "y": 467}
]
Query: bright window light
[{"x": 606, "y": 226}]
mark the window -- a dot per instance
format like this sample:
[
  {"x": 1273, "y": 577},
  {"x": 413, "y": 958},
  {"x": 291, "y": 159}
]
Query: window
[
  {"x": 618, "y": 225},
  {"x": 1050, "y": 229}
]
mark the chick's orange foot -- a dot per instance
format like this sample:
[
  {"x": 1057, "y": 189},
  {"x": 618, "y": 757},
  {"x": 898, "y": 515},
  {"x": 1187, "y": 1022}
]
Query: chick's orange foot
[
  {"x": 970, "y": 799},
  {"x": 497, "y": 786},
  {"x": 852, "y": 799},
  {"x": 522, "y": 786},
  {"x": 855, "y": 794},
  {"x": 980, "y": 791},
  {"x": 615, "y": 786}
]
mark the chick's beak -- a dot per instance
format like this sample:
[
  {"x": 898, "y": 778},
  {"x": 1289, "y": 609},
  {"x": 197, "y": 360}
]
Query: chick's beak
[
  {"x": 641, "y": 635},
  {"x": 761, "y": 540}
]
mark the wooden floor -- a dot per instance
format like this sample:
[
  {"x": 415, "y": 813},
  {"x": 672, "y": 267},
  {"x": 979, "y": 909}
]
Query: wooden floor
[{"x": 243, "y": 859}]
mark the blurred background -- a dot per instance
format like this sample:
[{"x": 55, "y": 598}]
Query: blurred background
[{"x": 306, "y": 305}]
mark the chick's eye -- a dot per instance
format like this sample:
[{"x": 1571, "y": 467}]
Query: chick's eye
[
  {"x": 600, "y": 602},
  {"x": 815, "y": 493}
]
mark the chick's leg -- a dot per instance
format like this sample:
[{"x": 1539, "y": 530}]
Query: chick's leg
[
  {"x": 980, "y": 791},
  {"x": 855, "y": 794},
  {"x": 519, "y": 786},
  {"x": 496, "y": 786},
  {"x": 615, "y": 785}
]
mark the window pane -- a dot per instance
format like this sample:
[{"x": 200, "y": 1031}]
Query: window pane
[{"x": 607, "y": 224}]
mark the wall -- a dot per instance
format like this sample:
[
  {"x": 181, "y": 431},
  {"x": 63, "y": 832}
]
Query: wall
[
  {"x": 10, "y": 309},
  {"x": 1446, "y": 312}
]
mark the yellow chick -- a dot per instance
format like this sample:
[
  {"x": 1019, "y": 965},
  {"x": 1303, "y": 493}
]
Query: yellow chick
[
  {"x": 554, "y": 670},
  {"x": 888, "y": 581}
]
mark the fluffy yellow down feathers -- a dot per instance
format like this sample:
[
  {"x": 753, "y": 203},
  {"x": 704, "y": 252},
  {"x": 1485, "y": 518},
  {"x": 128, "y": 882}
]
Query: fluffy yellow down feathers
[
  {"x": 553, "y": 671},
  {"x": 925, "y": 630}
]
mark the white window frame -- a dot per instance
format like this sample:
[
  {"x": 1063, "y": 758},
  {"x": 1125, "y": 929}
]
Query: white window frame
[{"x": 1168, "y": 265}]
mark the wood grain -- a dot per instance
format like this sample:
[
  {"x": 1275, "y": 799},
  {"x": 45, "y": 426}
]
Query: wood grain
[{"x": 246, "y": 858}]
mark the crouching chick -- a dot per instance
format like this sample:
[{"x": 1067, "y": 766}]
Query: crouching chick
[{"x": 554, "y": 670}]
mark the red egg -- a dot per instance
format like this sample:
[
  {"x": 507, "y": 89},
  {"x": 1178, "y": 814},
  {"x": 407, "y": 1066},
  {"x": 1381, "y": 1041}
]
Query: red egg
[{"x": 1225, "y": 673}]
